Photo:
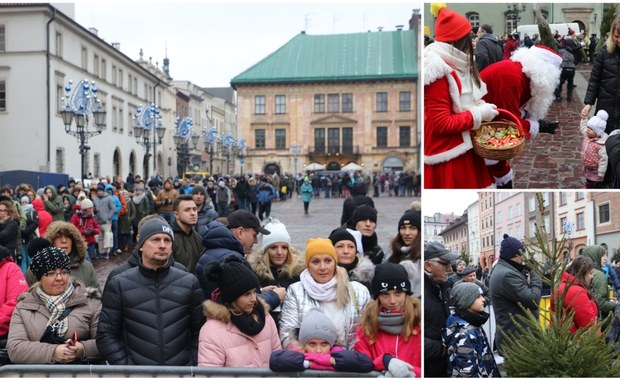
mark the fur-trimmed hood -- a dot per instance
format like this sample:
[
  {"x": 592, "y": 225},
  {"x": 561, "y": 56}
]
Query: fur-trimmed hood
[
  {"x": 365, "y": 270},
  {"x": 263, "y": 271},
  {"x": 544, "y": 78},
  {"x": 217, "y": 311},
  {"x": 78, "y": 251}
]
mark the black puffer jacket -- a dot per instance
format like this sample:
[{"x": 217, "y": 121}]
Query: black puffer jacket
[
  {"x": 151, "y": 317},
  {"x": 604, "y": 86},
  {"x": 436, "y": 312}
]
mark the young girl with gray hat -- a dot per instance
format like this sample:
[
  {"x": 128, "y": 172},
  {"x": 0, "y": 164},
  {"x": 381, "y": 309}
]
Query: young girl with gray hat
[
  {"x": 317, "y": 348},
  {"x": 469, "y": 351}
]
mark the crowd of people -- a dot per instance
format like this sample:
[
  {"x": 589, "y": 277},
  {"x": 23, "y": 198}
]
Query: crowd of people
[
  {"x": 197, "y": 288},
  {"x": 469, "y": 75},
  {"x": 457, "y": 305}
]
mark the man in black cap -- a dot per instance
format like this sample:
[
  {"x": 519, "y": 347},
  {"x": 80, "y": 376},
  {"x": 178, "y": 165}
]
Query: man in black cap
[
  {"x": 437, "y": 267},
  {"x": 235, "y": 236},
  {"x": 513, "y": 286},
  {"x": 151, "y": 314}
]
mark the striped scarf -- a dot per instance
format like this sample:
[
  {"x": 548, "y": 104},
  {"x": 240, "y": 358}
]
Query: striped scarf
[{"x": 56, "y": 305}]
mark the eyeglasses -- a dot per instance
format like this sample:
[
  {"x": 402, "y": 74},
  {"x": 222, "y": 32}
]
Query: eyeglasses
[
  {"x": 438, "y": 261},
  {"x": 3, "y": 210},
  {"x": 53, "y": 273}
]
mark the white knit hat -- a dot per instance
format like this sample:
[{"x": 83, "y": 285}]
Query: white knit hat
[
  {"x": 278, "y": 234},
  {"x": 599, "y": 122}
]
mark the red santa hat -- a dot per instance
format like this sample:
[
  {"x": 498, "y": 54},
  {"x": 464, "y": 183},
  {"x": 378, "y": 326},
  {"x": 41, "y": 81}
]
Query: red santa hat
[
  {"x": 449, "y": 25},
  {"x": 546, "y": 54}
]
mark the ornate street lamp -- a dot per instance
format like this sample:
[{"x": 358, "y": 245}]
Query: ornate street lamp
[
  {"x": 241, "y": 150},
  {"x": 515, "y": 9},
  {"x": 84, "y": 105},
  {"x": 228, "y": 141},
  {"x": 295, "y": 151},
  {"x": 210, "y": 139},
  {"x": 147, "y": 125},
  {"x": 183, "y": 135}
]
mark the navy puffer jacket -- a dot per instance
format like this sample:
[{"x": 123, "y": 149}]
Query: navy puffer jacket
[
  {"x": 604, "y": 86},
  {"x": 151, "y": 317}
]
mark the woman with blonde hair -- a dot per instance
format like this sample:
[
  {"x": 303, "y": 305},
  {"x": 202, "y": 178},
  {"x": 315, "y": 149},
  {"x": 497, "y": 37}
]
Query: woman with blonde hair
[
  {"x": 277, "y": 263},
  {"x": 324, "y": 285},
  {"x": 603, "y": 86},
  {"x": 389, "y": 329}
]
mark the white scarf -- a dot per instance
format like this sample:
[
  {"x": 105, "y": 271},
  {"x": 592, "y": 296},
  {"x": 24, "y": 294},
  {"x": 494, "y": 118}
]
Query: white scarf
[
  {"x": 319, "y": 292},
  {"x": 459, "y": 61}
]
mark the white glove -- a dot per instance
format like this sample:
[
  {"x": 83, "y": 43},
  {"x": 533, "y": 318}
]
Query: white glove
[
  {"x": 399, "y": 368},
  {"x": 487, "y": 111}
]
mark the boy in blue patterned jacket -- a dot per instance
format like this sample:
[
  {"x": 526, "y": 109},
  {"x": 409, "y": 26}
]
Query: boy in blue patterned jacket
[{"x": 468, "y": 348}]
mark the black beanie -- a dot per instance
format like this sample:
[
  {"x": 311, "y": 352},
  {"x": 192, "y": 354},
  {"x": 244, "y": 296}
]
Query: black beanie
[
  {"x": 48, "y": 259},
  {"x": 5, "y": 253},
  {"x": 363, "y": 212},
  {"x": 37, "y": 244},
  {"x": 340, "y": 234},
  {"x": 510, "y": 248},
  {"x": 233, "y": 277},
  {"x": 410, "y": 217},
  {"x": 390, "y": 276}
]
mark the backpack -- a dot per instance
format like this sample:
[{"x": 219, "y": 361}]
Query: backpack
[{"x": 589, "y": 154}]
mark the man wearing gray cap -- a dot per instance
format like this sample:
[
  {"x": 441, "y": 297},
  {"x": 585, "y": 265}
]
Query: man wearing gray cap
[
  {"x": 437, "y": 267},
  {"x": 151, "y": 314}
]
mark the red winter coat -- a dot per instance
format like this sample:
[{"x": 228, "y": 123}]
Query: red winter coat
[
  {"x": 45, "y": 218},
  {"x": 12, "y": 284},
  {"x": 576, "y": 299},
  {"x": 410, "y": 351},
  {"x": 449, "y": 158},
  {"x": 83, "y": 223}
]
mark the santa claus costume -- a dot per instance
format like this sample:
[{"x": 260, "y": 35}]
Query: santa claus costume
[
  {"x": 523, "y": 85},
  {"x": 453, "y": 106}
]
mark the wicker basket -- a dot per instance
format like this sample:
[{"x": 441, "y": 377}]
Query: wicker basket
[{"x": 500, "y": 153}]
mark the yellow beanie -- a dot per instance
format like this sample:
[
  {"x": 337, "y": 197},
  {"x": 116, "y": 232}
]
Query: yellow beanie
[{"x": 319, "y": 246}]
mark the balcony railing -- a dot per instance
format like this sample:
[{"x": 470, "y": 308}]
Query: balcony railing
[{"x": 334, "y": 150}]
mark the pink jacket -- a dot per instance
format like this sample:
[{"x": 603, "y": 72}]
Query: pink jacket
[
  {"x": 12, "y": 284},
  {"x": 222, "y": 344}
]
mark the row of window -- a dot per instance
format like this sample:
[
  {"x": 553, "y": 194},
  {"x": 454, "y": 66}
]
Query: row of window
[
  {"x": 60, "y": 161},
  {"x": 336, "y": 137},
  {"x": 336, "y": 103}
]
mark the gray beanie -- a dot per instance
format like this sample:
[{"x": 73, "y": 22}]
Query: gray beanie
[
  {"x": 316, "y": 325},
  {"x": 463, "y": 294},
  {"x": 153, "y": 227}
]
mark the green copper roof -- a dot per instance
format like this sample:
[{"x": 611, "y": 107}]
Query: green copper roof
[{"x": 335, "y": 58}]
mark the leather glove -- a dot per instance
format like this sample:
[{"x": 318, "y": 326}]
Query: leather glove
[
  {"x": 321, "y": 359},
  {"x": 399, "y": 368},
  {"x": 487, "y": 111},
  {"x": 88, "y": 231},
  {"x": 545, "y": 126}
]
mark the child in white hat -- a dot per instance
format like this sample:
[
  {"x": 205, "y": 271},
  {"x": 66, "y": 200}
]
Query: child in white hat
[{"x": 593, "y": 152}]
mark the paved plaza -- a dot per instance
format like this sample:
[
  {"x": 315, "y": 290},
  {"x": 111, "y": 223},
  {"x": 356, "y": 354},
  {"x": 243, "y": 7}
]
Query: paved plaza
[{"x": 324, "y": 216}]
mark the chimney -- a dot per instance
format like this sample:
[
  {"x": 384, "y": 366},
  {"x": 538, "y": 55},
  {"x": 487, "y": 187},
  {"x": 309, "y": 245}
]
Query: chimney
[
  {"x": 93, "y": 31},
  {"x": 399, "y": 27},
  {"x": 116, "y": 45},
  {"x": 414, "y": 23},
  {"x": 380, "y": 28}
]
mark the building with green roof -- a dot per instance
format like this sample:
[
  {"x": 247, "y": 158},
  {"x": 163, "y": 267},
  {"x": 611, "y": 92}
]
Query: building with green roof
[{"x": 332, "y": 100}]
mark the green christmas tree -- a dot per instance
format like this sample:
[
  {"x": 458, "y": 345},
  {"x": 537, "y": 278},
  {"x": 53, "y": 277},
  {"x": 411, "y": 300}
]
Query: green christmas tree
[{"x": 552, "y": 351}]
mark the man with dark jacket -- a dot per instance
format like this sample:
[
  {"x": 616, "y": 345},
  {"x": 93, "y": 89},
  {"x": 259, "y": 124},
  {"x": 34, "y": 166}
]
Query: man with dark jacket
[
  {"x": 488, "y": 50},
  {"x": 242, "y": 191},
  {"x": 151, "y": 314},
  {"x": 513, "y": 287},
  {"x": 437, "y": 267},
  {"x": 236, "y": 238},
  {"x": 206, "y": 211},
  {"x": 187, "y": 245}
]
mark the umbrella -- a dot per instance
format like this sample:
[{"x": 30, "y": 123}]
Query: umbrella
[
  {"x": 314, "y": 166},
  {"x": 351, "y": 167}
]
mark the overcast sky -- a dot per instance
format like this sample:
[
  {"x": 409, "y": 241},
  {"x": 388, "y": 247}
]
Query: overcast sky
[
  {"x": 447, "y": 201},
  {"x": 209, "y": 42}
]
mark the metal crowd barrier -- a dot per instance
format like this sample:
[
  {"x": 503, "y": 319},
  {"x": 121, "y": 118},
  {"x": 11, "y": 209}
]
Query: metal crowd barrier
[{"x": 67, "y": 371}]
